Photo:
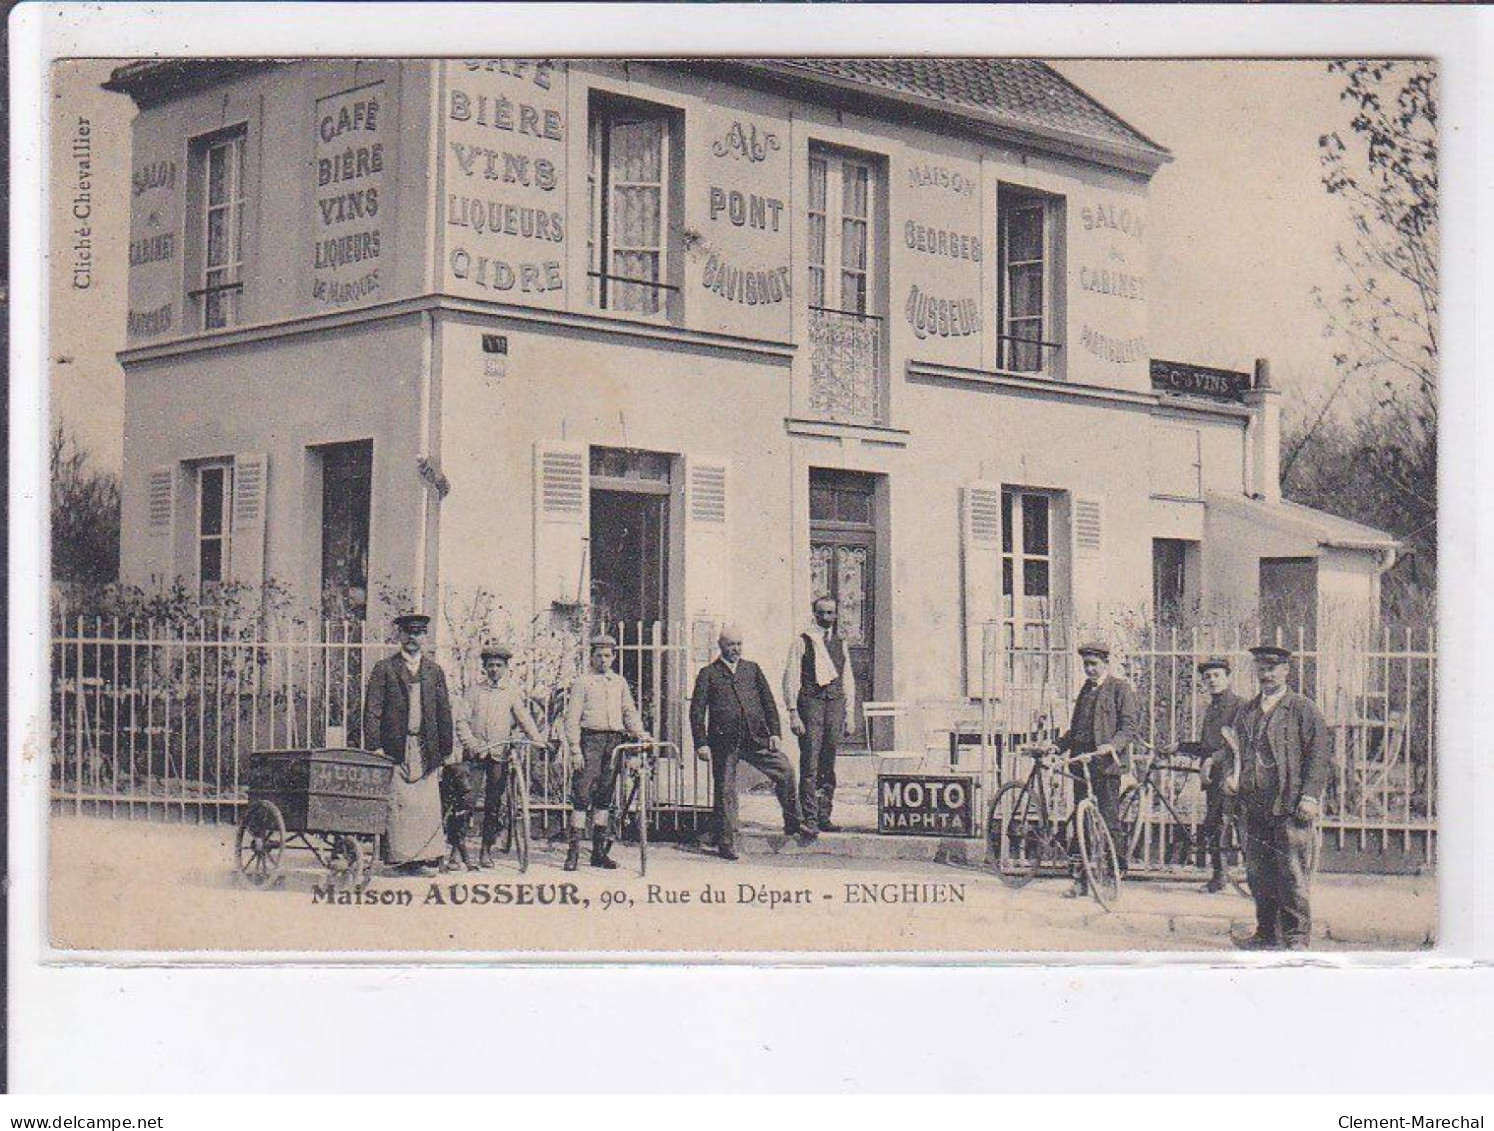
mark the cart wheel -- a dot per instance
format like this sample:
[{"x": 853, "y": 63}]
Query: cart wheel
[
  {"x": 345, "y": 863},
  {"x": 642, "y": 818},
  {"x": 260, "y": 843}
]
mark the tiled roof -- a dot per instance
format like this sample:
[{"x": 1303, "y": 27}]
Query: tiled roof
[{"x": 1025, "y": 92}]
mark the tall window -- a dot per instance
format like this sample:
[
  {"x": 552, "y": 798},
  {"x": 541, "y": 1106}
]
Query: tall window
[
  {"x": 628, "y": 186},
  {"x": 1029, "y": 327},
  {"x": 347, "y": 489},
  {"x": 846, "y": 354},
  {"x": 1027, "y": 582},
  {"x": 214, "y": 518},
  {"x": 840, "y": 243},
  {"x": 220, "y": 158}
]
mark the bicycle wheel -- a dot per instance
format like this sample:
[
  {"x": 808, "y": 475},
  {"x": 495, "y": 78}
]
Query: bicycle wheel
[
  {"x": 1017, "y": 840},
  {"x": 1130, "y": 823},
  {"x": 642, "y": 791},
  {"x": 1097, "y": 854},
  {"x": 1234, "y": 855},
  {"x": 518, "y": 819}
]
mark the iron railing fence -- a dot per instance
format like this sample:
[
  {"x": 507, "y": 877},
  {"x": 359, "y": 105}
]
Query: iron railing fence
[
  {"x": 1378, "y": 693},
  {"x": 157, "y": 720}
]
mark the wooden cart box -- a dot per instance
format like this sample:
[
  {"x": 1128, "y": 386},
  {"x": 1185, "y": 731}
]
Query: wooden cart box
[{"x": 326, "y": 791}]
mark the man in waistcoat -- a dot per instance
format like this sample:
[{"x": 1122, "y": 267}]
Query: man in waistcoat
[
  {"x": 1284, "y": 764},
  {"x": 820, "y": 690}
]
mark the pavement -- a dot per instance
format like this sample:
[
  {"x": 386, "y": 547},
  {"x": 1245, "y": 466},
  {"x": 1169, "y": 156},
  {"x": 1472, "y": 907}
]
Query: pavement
[{"x": 143, "y": 886}]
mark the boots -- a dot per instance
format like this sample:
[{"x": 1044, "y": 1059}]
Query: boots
[
  {"x": 485, "y": 856},
  {"x": 599, "y": 857},
  {"x": 572, "y": 849},
  {"x": 459, "y": 851},
  {"x": 1216, "y": 880}
]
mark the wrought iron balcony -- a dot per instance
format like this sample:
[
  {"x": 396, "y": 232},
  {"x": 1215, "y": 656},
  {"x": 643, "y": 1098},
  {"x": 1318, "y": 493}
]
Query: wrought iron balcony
[{"x": 847, "y": 367}]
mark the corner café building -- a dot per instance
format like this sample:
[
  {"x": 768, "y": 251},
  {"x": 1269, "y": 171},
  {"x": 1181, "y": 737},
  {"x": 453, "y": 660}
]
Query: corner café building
[{"x": 689, "y": 341}]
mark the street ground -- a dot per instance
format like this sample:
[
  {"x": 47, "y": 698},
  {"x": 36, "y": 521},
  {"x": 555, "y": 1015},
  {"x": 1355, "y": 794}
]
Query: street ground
[{"x": 134, "y": 885}]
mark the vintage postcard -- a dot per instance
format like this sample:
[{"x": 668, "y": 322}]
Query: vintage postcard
[{"x": 530, "y": 507}]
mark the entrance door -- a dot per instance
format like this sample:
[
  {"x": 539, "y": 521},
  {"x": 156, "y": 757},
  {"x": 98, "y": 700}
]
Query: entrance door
[
  {"x": 842, "y": 548},
  {"x": 630, "y": 562}
]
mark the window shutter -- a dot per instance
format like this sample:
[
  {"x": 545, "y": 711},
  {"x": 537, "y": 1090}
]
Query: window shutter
[
  {"x": 562, "y": 490},
  {"x": 980, "y": 534},
  {"x": 246, "y": 536},
  {"x": 160, "y": 521},
  {"x": 1089, "y": 527},
  {"x": 707, "y": 542}
]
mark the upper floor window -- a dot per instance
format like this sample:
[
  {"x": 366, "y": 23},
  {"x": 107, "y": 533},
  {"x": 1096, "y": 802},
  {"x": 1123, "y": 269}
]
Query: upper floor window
[
  {"x": 218, "y": 228},
  {"x": 633, "y": 216},
  {"x": 841, "y": 252},
  {"x": 1030, "y": 275},
  {"x": 214, "y": 519}
]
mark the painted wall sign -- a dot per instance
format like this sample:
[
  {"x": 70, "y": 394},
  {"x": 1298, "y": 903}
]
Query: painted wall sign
[
  {"x": 938, "y": 176},
  {"x": 937, "y": 241},
  {"x": 746, "y": 209},
  {"x": 745, "y": 142},
  {"x": 941, "y": 317},
  {"x": 748, "y": 286},
  {"x": 1121, "y": 284},
  {"x": 1199, "y": 381},
  {"x": 349, "y": 168},
  {"x": 1112, "y": 217},
  {"x": 926, "y": 804},
  {"x": 156, "y": 188},
  {"x": 504, "y": 208},
  {"x": 1117, "y": 351}
]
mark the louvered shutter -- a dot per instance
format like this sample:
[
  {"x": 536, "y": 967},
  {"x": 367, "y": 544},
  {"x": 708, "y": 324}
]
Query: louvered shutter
[
  {"x": 160, "y": 522},
  {"x": 1088, "y": 539},
  {"x": 246, "y": 539},
  {"x": 980, "y": 536},
  {"x": 707, "y": 545},
  {"x": 562, "y": 566}
]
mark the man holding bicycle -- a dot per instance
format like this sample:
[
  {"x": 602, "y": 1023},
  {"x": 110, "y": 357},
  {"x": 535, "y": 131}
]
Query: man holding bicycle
[
  {"x": 600, "y": 716},
  {"x": 485, "y": 728},
  {"x": 1284, "y": 766},
  {"x": 1214, "y": 760},
  {"x": 1104, "y": 725}
]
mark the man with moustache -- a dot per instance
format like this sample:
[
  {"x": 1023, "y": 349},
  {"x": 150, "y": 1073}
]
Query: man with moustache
[
  {"x": 820, "y": 689},
  {"x": 1285, "y": 759},
  {"x": 734, "y": 719},
  {"x": 407, "y": 716}
]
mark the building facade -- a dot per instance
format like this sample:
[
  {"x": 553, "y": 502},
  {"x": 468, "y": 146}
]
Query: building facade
[{"x": 687, "y": 342}]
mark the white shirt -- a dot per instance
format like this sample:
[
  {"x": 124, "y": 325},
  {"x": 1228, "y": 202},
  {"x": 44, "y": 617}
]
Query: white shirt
[
  {"x": 488, "y": 718},
  {"x": 791, "y": 672}
]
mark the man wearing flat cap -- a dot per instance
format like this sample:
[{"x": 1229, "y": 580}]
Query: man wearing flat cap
[
  {"x": 1106, "y": 721},
  {"x": 485, "y": 726},
  {"x": 407, "y": 716},
  {"x": 600, "y": 716},
  {"x": 1215, "y": 759},
  {"x": 1284, "y": 766}
]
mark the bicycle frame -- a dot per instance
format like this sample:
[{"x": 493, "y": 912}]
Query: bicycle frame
[{"x": 634, "y": 764}]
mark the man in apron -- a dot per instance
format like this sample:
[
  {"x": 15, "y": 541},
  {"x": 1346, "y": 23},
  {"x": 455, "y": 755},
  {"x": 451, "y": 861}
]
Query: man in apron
[{"x": 407, "y": 717}]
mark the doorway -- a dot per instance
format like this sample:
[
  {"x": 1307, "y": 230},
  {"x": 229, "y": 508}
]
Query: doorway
[
  {"x": 843, "y": 536},
  {"x": 630, "y": 493}
]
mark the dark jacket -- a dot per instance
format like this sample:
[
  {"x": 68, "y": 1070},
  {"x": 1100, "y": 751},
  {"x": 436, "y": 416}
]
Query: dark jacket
[
  {"x": 1298, "y": 734},
  {"x": 386, "y": 711},
  {"x": 1220, "y": 713},
  {"x": 740, "y": 708},
  {"x": 1117, "y": 723}
]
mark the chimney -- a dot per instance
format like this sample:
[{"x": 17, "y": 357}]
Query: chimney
[{"x": 1263, "y": 437}]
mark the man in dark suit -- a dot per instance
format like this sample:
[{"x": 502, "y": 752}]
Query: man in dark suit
[
  {"x": 407, "y": 716},
  {"x": 1284, "y": 765},
  {"x": 1105, "y": 723},
  {"x": 734, "y": 719}
]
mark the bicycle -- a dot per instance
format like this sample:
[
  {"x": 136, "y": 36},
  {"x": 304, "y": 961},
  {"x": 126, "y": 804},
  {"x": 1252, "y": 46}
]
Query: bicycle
[
  {"x": 1023, "y": 834},
  {"x": 1179, "y": 842},
  {"x": 517, "y": 829},
  {"x": 636, "y": 764}
]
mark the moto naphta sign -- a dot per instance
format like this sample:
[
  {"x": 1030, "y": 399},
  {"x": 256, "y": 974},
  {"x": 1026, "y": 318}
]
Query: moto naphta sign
[{"x": 926, "y": 804}]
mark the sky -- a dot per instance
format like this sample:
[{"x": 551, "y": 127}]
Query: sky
[{"x": 1242, "y": 229}]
